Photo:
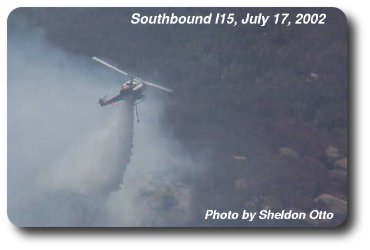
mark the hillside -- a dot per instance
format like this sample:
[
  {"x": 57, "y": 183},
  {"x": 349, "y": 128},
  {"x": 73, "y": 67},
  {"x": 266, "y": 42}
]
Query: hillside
[{"x": 267, "y": 105}]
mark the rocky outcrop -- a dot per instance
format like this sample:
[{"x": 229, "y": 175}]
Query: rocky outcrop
[
  {"x": 341, "y": 164},
  {"x": 288, "y": 152},
  {"x": 332, "y": 152},
  {"x": 332, "y": 204}
]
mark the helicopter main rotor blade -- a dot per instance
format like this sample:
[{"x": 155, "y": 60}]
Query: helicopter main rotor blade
[
  {"x": 110, "y": 66},
  {"x": 126, "y": 74},
  {"x": 157, "y": 86}
]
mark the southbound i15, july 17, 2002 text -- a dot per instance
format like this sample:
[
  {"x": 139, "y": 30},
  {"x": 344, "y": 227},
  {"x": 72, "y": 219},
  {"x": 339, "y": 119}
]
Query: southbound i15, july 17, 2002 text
[{"x": 230, "y": 19}]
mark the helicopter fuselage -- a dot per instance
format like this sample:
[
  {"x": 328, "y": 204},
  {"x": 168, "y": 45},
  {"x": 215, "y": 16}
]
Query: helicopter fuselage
[
  {"x": 134, "y": 88},
  {"x": 130, "y": 90}
]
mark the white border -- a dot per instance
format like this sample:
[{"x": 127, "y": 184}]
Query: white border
[{"x": 355, "y": 235}]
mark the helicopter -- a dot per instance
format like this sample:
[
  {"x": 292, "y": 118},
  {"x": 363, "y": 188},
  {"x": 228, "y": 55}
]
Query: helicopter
[{"x": 133, "y": 88}]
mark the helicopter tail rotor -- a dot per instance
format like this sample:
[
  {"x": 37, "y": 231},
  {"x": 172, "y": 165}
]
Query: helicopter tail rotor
[{"x": 102, "y": 101}]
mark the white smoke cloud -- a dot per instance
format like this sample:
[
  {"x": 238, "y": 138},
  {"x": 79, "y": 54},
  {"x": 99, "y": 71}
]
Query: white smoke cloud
[
  {"x": 152, "y": 193},
  {"x": 67, "y": 156}
]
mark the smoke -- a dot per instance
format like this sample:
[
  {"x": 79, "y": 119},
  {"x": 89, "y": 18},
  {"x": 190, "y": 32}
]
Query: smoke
[
  {"x": 153, "y": 193},
  {"x": 69, "y": 160}
]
